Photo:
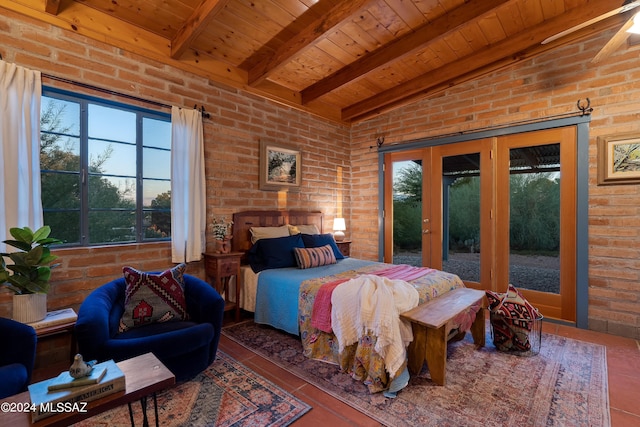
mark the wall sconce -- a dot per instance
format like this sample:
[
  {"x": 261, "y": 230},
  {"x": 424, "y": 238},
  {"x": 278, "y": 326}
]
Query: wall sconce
[{"x": 339, "y": 227}]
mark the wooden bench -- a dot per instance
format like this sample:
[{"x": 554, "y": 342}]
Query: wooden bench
[{"x": 431, "y": 324}]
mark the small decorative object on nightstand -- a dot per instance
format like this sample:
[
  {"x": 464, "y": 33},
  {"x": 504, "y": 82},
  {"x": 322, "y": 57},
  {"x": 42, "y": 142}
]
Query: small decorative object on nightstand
[
  {"x": 339, "y": 227},
  {"x": 219, "y": 267},
  {"x": 345, "y": 247}
]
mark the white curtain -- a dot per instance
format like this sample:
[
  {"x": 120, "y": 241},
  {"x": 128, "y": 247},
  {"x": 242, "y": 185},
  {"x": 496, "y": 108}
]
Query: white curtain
[
  {"x": 188, "y": 198},
  {"x": 20, "y": 94}
]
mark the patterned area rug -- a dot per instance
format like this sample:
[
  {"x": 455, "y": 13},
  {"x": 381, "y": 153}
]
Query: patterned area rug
[
  {"x": 226, "y": 394},
  {"x": 564, "y": 385}
]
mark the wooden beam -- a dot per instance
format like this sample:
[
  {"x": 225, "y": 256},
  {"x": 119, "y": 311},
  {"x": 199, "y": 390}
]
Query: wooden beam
[
  {"x": 296, "y": 45},
  {"x": 575, "y": 37},
  {"x": 52, "y": 6},
  {"x": 89, "y": 22},
  {"x": 430, "y": 32},
  {"x": 506, "y": 50},
  {"x": 195, "y": 25}
]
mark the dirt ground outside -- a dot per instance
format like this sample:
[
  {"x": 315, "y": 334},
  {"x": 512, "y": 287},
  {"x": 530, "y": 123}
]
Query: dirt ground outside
[{"x": 535, "y": 272}]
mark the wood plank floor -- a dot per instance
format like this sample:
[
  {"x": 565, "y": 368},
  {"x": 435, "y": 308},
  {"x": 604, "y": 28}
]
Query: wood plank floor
[{"x": 623, "y": 360}]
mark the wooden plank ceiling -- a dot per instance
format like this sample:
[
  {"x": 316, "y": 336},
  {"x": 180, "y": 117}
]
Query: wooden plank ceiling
[{"x": 344, "y": 60}]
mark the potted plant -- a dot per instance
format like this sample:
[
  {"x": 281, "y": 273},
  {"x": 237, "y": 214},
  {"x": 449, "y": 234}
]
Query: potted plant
[
  {"x": 222, "y": 233},
  {"x": 28, "y": 271}
]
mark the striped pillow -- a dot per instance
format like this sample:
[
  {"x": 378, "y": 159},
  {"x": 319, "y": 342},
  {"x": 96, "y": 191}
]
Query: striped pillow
[{"x": 314, "y": 257}]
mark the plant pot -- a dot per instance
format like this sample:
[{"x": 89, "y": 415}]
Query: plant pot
[
  {"x": 29, "y": 308},
  {"x": 223, "y": 246}
]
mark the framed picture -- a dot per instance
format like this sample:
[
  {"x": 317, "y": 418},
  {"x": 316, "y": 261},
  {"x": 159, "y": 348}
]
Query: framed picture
[
  {"x": 619, "y": 159},
  {"x": 280, "y": 167}
]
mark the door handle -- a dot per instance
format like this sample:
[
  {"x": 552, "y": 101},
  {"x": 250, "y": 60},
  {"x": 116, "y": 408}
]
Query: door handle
[{"x": 426, "y": 231}]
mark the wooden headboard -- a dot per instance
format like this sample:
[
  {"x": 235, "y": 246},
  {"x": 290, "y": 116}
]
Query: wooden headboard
[{"x": 243, "y": 221}]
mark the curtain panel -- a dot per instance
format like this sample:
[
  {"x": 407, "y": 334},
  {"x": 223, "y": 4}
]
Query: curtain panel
[
  {"x": 20, "y": 98},
  {"x": 188, "y": 198}
]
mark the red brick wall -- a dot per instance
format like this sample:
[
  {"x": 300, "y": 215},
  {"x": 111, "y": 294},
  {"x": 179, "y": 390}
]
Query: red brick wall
[
  {"x": 544, "y": 86},
  {"x": 232, "y": 145}
]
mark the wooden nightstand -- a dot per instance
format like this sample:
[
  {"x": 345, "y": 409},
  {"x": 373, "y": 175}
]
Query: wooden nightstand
[
  {"x": 345, "y": 247},
  {"x": 219, "y": 268}
]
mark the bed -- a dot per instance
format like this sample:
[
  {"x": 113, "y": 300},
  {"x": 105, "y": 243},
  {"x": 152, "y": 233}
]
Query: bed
[{"x": 295, "y": 299}]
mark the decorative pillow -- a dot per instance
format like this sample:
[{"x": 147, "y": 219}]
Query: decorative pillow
[
  {"x": 317, "y": 240},
  {"x": 304, "y": 229},
  {"x": 153, "y": 297},
  {"x": 276, "y": 252},
  {"x": 258, "y": 233},
  {"x": 314, "y": 257}
]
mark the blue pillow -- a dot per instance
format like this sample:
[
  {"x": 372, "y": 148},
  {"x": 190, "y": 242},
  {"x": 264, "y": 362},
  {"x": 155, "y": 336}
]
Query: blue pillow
[
  {"x": 276, "y": 252},
  {"x": 318, "y": 240}
]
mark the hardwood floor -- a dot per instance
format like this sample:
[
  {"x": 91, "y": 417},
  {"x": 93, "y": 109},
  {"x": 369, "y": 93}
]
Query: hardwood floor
[{"x": 623, "y": 362}]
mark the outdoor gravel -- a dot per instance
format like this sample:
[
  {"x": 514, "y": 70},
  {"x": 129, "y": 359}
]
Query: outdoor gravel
[{"x": 540, "y": 273}]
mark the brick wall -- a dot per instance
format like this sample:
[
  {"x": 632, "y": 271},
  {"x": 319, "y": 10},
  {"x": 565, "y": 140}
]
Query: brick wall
[
  {"x": 544, "y": 86},
  {"x": 232, "y": 145}
]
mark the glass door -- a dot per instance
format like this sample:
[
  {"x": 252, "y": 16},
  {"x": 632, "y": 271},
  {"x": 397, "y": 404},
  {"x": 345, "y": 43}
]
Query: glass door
[
  {"x": 405, "y": 209},
  {"x": 536, "y": 235},
  {"x": 462, "y": 200},
  {"x": 493, "y": 211}
]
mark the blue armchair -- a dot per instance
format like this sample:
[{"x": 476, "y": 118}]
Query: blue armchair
[
  {"x": 184, "y": 347},
  {"x": 17, "y": 356}
]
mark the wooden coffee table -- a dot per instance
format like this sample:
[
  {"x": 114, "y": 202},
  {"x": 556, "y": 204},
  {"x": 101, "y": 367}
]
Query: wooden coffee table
[{"x": 144, "y": 376}]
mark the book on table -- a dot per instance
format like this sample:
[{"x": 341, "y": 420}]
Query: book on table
[
  {"x": 46, "y": 403},
  {"x": 56, "y": 317},
  {"x": 65, "y": 380}
]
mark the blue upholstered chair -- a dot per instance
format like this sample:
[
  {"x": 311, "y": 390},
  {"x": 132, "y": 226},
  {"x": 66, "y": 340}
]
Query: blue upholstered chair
[
  {"x": 185, "y": 347},
  {"x": 17, "y": 356}
]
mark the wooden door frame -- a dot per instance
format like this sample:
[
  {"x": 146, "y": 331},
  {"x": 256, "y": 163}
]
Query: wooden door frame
[
  {"x": 485, "y": 147},
  {"x": 562, "y": 305}
]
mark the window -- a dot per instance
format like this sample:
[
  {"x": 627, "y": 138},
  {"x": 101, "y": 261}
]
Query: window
[{"x": 105, "y": 169}]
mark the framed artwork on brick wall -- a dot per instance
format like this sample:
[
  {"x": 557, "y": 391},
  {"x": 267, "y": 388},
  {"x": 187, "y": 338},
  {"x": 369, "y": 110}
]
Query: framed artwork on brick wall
[
  {"x": 619, "y": 159},
  {"x": 280, "y": 167}
]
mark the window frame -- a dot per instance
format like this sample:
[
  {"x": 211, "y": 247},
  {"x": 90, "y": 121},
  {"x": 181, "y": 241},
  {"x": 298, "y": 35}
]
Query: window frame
[{"x": 83, "y": 174}]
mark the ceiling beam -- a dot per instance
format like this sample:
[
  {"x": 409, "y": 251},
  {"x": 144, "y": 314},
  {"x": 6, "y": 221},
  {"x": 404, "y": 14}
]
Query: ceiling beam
[
  {"x": 52, "y": 6},
  {"x": 411, "y": 42},
  {"x": 505, "y": 51},
  {"x": 195, "y": 25},
  {"x": 296, "y": 45}
]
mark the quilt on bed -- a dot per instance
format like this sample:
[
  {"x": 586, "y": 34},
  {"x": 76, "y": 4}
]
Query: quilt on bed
[{"x": 361, "y": 360}]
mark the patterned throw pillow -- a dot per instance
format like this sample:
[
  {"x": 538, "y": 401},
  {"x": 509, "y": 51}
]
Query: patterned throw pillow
[
  {"x": 314, "y": 257},
  {"x": 153, "y": 297}
]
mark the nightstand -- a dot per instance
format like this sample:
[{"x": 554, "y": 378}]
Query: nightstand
[
  {"x": 219, "y": 269},
  {"x": 345, "y": 247}
]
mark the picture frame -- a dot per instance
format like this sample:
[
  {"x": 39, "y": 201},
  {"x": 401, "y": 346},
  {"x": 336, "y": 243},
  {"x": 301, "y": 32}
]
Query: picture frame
[
  {"x": 619, "y": 159},
  {"x": 280, "y": 167}
]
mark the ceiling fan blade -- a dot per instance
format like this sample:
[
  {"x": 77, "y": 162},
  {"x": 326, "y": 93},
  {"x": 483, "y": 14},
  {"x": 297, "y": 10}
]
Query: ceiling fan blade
[
  {"x": 625, "y": 8},
  {"x": 614, "y": 43}
]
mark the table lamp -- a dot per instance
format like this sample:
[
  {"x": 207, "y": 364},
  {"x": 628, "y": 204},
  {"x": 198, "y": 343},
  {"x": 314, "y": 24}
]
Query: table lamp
[{"x": 338, "y": 228}]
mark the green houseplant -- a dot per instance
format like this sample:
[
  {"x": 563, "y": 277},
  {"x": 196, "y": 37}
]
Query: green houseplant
[{"x": 28, "y": 272}]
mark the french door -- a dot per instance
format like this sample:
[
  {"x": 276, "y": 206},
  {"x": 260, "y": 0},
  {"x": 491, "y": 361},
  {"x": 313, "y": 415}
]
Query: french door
[{"x": 490, "y": 210}]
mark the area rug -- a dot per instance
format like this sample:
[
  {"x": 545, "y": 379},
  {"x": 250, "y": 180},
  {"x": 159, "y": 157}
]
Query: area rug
[
  {"x": 564, "y": 385},
  {"x": 227, "y": 393}
]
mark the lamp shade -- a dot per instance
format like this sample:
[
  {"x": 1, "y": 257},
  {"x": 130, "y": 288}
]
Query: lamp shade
[{"x": 338, "y": 227}]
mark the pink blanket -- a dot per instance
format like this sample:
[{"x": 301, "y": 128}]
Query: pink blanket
[{"x": 321, "y": 314}]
